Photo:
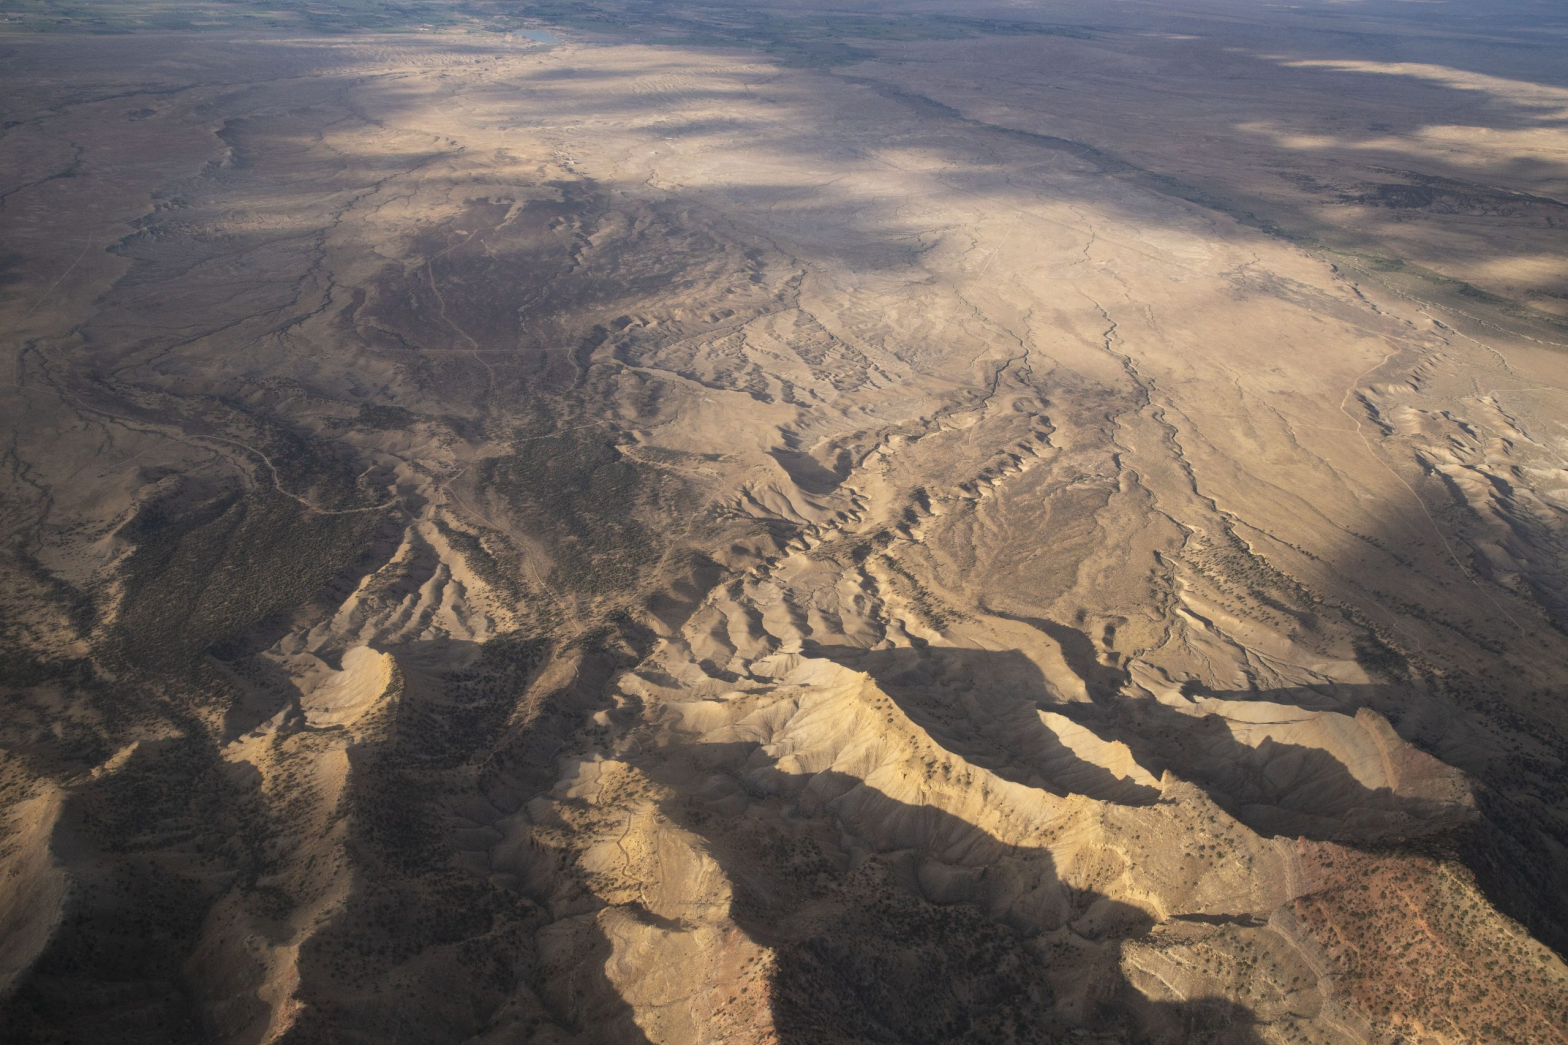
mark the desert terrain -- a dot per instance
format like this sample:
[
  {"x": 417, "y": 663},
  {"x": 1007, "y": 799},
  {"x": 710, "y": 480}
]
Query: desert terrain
[{"x": 780, "y": 523}]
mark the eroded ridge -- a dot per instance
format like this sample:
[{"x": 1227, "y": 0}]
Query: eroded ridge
[{"x": 698, "y": 531}]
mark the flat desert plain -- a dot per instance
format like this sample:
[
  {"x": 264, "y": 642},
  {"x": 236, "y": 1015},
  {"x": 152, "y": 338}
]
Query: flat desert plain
[{"x": 779, "y": 523}]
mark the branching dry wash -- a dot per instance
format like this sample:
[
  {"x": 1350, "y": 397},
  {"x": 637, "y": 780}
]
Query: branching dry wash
[{"x": 746, "y": 522}]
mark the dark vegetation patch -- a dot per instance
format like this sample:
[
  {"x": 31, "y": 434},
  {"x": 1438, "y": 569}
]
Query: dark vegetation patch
[
  {"x": 378, "y": 418},
  {"x": 411, "y": 897},
  {"x": 897, "y": 968},
  {"x": 491, "y": 558},
  {"x": 117, "y": 958},
  {"x": 1436, "y": 282},
  {"x": 115, "y": 961},
  {"x": 165, "y": 796},
  {"x": 577, "y": 492},
  {"x": 475, "y": 704},
  {"x": 1447, "y": 196},
  {"x": 324, "y": 473},
  {"x": 201, "y": 575},
  {"x": 393, "y": 823},
  {"x": 1379, "y": 659},
  {"x": 928, "y": 607}
]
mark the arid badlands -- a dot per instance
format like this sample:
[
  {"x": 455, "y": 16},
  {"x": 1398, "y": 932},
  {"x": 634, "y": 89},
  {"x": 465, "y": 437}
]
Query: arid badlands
[{"x": 651, "y": 523}]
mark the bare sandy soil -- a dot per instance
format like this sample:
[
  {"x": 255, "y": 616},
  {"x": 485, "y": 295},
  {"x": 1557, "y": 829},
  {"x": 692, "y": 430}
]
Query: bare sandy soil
[{"x": 761, "y": 524}]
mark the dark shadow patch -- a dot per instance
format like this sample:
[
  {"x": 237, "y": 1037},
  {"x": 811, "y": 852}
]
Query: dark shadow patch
[
  {"x": 862, "y": 956},
  {"x": 810, "y": 474}
]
